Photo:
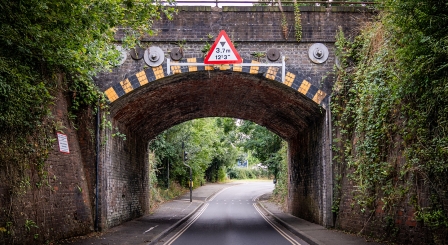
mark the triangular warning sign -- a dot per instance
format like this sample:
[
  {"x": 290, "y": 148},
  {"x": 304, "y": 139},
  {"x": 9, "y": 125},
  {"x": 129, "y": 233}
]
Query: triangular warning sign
[{"x": 224, "y": 53}]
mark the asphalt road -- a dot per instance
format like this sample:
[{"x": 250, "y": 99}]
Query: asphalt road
[{"x": 232, "y": 217}]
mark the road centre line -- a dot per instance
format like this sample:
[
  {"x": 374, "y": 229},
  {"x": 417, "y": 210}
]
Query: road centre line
[
  {"x": 179, "y": 233},
  {"x": 216, "y": 194}
]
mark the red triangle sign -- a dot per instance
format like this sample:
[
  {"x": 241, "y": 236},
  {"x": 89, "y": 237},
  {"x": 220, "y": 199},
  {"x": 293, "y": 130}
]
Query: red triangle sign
[{"x": 222, "y": 52}]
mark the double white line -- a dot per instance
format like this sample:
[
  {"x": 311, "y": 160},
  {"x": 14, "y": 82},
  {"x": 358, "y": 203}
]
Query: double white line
[
  {"x": 190, "y": 222},
  {"x": 286, "y": 236}
]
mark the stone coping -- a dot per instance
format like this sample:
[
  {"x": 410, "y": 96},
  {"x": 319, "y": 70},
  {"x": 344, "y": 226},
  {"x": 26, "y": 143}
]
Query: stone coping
[{"x": 275, "y": 9}]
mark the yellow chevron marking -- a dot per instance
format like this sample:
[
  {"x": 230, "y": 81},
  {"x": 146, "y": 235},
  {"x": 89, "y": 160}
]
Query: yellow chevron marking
[
  {"x": 111, "y": 94},
  {"x": 289, "y": 79},
  {"x": 158, "y": 72},
  {"x": 272, "y": 71},
  {"x": 175, "y": 69},
  {"x": 192, "y": 68},
  {"x": 319, "y": 96},
  {"x": 126, "y": 85},
  {"x": 254, "y": 69},
  {"x": 237, "y": 68},
  {"x": 142, "y": 79},
  {"x": 304, "y": 87}
]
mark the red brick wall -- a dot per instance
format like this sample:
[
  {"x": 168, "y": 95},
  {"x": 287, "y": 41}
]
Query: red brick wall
[
  {"x": 60, "y": 209},
  {"x": 123, "y": 171}
]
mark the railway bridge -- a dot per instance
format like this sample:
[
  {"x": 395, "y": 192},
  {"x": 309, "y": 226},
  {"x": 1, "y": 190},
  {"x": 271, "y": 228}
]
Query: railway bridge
[{"x": 283, "y": 84}]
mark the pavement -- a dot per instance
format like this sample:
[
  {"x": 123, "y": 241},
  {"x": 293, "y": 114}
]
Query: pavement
[
  {"x": 149, "y": 229},
  {"x": 311, "y": 233}
]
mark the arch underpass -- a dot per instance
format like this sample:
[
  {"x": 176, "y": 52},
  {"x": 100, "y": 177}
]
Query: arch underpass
[{"x": 149, "y": 102}]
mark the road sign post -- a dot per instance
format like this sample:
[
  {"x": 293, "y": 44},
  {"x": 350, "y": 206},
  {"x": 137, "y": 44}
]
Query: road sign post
[{"x": 190, "y": 181}]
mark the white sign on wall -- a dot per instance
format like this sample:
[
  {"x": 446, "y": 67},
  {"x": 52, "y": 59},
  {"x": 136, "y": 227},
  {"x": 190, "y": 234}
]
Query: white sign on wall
[{"x": 63, "y": 143}]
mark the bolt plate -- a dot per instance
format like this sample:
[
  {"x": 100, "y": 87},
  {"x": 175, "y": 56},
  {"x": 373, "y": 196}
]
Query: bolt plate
[
  {"x": 154, "y": 56},
  {"x": 273, "y": 54},
  {"x": 137, "y": 53},
  {"x": 176, "y": 54},
  {"x": 318, "y": 53}
]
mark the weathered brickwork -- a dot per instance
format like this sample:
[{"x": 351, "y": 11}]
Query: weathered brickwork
[
  {"x": 145, "y": 100},
  {"x": 259, "y": 24},
  {"x": 397, "y": 223},
  {"x": 60, "y": 209},
  {"x": 124, "y": 175},
  {"x": 257, "y": 94},
  {"x": 306, "y": 174},
  {"x": 296, "y": 55}
]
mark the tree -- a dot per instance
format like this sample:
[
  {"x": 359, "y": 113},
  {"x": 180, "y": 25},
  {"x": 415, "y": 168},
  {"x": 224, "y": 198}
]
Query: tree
[
  {"x": 42, "y": 41},
  {"x": 209, "y": 150},
  {"x": 49, "y": 47},
  {"x": 263, "y": 144}
]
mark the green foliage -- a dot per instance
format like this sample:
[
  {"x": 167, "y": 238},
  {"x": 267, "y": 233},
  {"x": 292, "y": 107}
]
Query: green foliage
[
  {"x": 280, "y": 192},
  {"x": 206, "y": 48},
  {"x": 390, "y": 108},
  {"x": 213, "y": 146},
  {"x": 51, "y": 45},
  {"x": 258, "y": 55},
  {"x": 48, "y": 47},
  {"x": 209, "y": 150},
  {"x": 284, "y": 24},
  {"x": 246, "y": 173},
  {"x": 29, "y": 224},
  {"x": 263, "y": 144},
  {"x": 297, "y": 22}
]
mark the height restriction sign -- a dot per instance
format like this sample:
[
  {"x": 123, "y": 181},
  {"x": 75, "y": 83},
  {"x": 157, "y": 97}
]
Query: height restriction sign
[{"x": 222, "y": 52}]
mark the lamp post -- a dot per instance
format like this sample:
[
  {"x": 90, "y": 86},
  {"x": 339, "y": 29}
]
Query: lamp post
[{"x": 190, "y": 182}]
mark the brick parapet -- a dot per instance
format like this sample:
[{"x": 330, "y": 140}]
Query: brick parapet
[{"x": 258, "y": 23}]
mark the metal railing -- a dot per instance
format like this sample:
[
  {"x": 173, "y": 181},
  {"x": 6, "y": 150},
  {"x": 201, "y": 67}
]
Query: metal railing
[{"x": 219, "y": 3}]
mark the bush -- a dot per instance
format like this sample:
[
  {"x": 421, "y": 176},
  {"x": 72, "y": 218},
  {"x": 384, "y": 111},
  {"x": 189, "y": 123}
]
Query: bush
[{"x": 245, "y": 173}]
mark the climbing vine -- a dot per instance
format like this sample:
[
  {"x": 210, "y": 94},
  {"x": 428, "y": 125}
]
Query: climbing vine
[
  {"x": 49, "y": 48},
  {"x": 284, "y": 24},
  {"x": 390, "y": 107},
  {"x": 297, "y": 22}
]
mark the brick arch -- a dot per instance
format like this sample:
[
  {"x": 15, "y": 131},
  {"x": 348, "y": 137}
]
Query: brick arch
[
  {"x": 151, "y": 101},
  {"x": 294, "y": 80}
]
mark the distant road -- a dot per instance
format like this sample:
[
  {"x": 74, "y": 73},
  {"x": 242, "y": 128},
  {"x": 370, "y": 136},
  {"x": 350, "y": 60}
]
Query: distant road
[{"x": 232, "y": 217}]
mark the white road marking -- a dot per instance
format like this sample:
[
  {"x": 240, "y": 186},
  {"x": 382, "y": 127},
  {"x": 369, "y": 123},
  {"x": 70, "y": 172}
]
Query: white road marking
[
  {"x": 214, "y": 195},
  {"x": 150, "y": 229},
  {"x": 177, "y": 235},
  {"x": 286, "y": 236}
]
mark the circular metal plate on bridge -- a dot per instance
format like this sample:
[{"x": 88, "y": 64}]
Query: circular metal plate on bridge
[
  {"x": 318, "y": 53},
  {"x": 273, "y": 54},
  {"x": 154, "y": 56},
  {"x": 123, "y": 55},
  {"x": 176, "y": 54},
  {"x": 137, "y": 53}
]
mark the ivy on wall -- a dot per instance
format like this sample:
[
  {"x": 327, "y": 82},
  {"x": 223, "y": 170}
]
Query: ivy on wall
[
  {"x": 297, "y": 22},
  {"x": 47, "y": 46},
  {"x": 390, "y": 107}
]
